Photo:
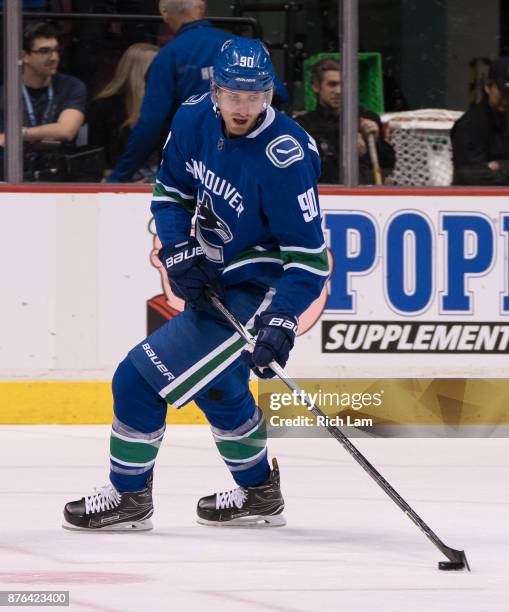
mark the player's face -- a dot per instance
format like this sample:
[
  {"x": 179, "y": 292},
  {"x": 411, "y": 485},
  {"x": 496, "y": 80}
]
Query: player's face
[
  {"x": 241, "y": 109},
  {"x": 329, "y": 90},
  {"x": 43, "y": 57},
  {"x": 498, "y": 98}
]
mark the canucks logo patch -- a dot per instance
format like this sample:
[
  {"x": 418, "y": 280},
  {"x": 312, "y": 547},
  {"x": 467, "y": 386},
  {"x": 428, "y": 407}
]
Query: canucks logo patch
[{"x": 284, "y": 150}]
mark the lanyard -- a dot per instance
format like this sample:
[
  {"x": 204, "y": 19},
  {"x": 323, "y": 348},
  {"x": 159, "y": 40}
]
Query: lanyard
[{"x": 30, "y": 108}]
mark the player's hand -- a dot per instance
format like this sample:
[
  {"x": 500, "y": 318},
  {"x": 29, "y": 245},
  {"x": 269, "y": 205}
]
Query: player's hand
[
  {"x": 275, "y": 339},
  {"x": 189, "y": 271}
]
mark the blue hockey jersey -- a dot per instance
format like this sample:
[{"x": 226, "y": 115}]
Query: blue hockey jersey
[{"x": 255, "y": 199}]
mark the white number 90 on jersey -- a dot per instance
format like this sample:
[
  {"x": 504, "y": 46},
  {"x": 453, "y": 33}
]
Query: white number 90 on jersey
[{"x": 308, "y": 205}]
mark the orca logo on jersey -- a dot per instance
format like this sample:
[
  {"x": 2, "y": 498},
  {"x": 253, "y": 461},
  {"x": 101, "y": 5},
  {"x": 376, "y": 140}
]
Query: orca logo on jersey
[
  {"x": 284, "y": 151},
  {"x": 209, "y": 220}
]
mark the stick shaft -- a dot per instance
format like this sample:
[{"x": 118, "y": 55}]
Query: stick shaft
[{"x": 336, "y": 433}]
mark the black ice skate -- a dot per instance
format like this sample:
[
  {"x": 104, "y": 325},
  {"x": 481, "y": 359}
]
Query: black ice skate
[
  {"x": 109, "y": 510},
  {"x": 250, "y": 506}
]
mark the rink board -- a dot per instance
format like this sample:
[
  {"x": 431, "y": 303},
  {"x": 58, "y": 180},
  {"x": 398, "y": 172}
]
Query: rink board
[{"x": 419, "y": 289}]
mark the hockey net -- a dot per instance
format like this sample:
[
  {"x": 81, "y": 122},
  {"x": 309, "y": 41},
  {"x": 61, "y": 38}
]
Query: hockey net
[{"x": 423, "y": 146}]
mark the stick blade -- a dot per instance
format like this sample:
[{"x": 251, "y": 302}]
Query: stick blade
[{"x": 458, "y": 561}]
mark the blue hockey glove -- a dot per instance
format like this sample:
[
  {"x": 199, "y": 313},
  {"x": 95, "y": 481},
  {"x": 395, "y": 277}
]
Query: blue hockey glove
[
  {"x": 275, "y": 339},
  {"x": 189, "y": 271}
]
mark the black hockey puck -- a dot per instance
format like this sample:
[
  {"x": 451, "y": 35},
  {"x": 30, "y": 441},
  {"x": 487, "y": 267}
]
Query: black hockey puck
[{"x": 451, "y": 565}]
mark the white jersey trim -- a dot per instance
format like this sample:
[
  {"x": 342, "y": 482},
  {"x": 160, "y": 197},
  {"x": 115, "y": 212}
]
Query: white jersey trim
[
  {"x": 302, "y": 249},
  {"x": 181, "y": 194},
  {"x": 269, "y": 118},
  {"x": 307, "y": 268},
  {"x": 253, "y": 260},
  {"x": 165, "y": 199}
]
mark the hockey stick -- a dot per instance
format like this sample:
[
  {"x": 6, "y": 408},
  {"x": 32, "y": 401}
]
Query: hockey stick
[
  {"x": 373, "y": 155},
  {"x": 457, "y": 558}
]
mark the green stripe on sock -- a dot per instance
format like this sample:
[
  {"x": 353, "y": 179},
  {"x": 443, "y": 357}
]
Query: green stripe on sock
[
  {"x": 239, "y": 449},
  {"x": 245, "y": 448},
  {"x": 132, "y": 452}
]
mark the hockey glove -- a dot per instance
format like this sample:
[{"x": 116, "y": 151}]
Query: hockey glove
[
  {"x": 189, "y": 271},
  {"x": 275, "y": 339}
]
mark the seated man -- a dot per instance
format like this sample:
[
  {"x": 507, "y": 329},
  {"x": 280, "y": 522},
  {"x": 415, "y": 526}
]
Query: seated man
[
  {"x": 323, "y": 124},
  {"x": 53, "y": 103},
  {"x": 480, "y": 138}
]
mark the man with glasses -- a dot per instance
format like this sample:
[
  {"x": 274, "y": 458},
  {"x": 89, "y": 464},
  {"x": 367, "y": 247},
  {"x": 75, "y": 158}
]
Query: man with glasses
[
  {"x": 248, "y": 174},
  {"x": 53, "y": 103}
]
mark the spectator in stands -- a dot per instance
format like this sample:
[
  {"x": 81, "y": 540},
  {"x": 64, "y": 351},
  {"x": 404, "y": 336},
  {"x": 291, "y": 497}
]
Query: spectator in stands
[
  {"x": 53, "y": 103},
  {"x": 324, "y": 123},
  {"x": 36, "y": 6},
  {"x": 116, "y": 109},
  {"x": 480, "y": 138},
  {"x": 181, "y": 69}
]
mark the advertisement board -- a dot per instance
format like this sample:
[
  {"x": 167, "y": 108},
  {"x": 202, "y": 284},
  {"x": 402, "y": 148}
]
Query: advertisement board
[{"x": 419, "y": 288}]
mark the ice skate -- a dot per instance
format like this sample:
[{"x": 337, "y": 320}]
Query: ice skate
[
  {"x": 250, "y": 506},
  {"x": 109, "y": 510}
]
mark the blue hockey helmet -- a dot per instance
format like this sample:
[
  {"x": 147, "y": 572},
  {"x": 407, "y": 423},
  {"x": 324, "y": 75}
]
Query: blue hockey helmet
[{"x": 245, "y": 64}]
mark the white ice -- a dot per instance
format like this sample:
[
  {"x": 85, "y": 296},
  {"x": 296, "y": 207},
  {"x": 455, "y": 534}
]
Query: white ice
[{"x": 346, "y": 545}]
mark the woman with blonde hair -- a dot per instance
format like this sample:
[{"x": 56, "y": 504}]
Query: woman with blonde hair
[{"x": 116, "y": 108}]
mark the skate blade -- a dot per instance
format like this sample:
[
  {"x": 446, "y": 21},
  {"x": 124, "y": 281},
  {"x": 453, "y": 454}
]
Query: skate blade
[
  {"x": 131, "y": 526},
  {"x": 259, "y": 521}
]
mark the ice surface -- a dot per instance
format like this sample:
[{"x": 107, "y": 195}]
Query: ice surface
[{"x": 346, "y": 546}]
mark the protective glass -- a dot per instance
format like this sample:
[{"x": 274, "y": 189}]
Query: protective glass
[{"x": 245, "y": 102}]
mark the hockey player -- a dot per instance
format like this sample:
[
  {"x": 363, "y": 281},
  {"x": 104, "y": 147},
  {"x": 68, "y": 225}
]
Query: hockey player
[{"x": 248, "y": 173}]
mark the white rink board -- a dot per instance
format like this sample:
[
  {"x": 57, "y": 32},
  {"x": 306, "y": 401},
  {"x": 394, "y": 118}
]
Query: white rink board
[{"x": 76, "y": 275}]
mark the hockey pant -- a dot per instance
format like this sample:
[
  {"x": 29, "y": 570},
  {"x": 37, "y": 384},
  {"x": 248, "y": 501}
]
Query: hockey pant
[{"x": 194, "y": 356}]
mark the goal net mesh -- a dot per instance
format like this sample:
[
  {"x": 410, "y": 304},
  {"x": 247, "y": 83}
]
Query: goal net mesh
[{"x": 423, "y": 146}]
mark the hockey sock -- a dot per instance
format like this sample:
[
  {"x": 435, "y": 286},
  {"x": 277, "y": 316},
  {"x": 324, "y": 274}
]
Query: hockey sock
[
  {"x": 244, "y": 450},
  {"x": 137, "y": 430}
]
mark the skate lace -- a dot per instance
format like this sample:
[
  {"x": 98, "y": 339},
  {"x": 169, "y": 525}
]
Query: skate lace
[
  {"x": 104, "y": 498},
  {"x": 226, "y": 499}
]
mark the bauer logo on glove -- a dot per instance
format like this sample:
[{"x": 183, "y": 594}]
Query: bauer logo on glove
[
  {"x": 189, "y": 271},
  {"x": 283, "y": 322},
  {"x": 180, "y": 256},
  {"x": 275, "y": 339}
]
